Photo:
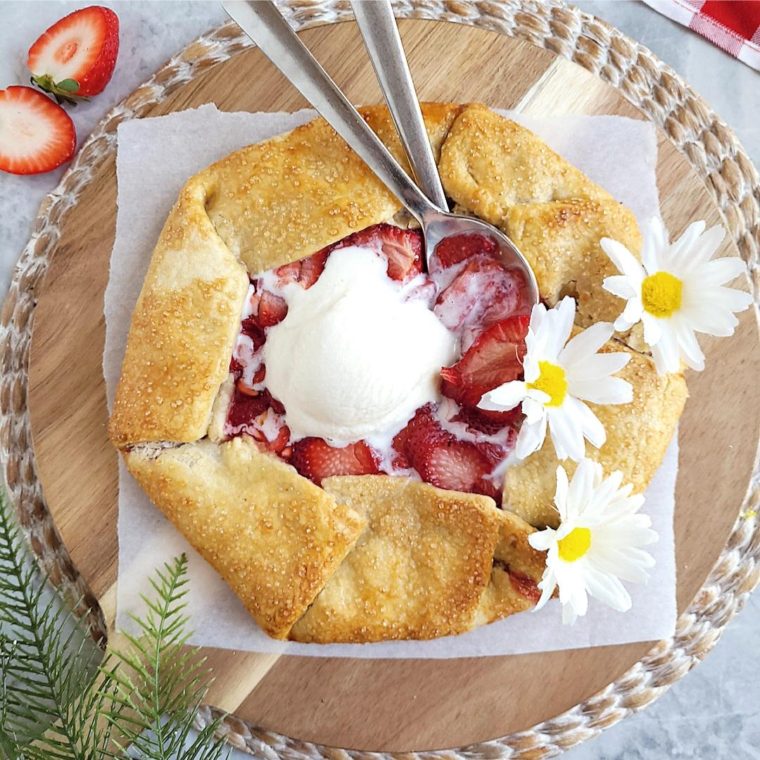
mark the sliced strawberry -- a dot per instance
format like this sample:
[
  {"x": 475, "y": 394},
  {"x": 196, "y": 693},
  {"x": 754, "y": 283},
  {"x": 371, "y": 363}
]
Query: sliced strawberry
[
  {"x": 456, "y": 466},
  {"x": 524, "y": 586},
  {"x": 443, "y": 460},
  {"x": 280, "y": 441},
  {"x": 402, "y": 248},
  {"x": 452, "y": 250},
  {"x": 76, "y": 56},
  {"x": 484, "y": 292},
  {"x": 315, "y": 459},
  {"x": 246, "y": 389},
  {"x": 36, "y": 135},
  {"x": 245, "y": 408},
  {"x": 251, "y": 327},
  {"x": 272, "y": 309},
  {"x": 486, "y": 421},
  {"x": 494, "y": 358},
  {"x": 311, "y": 268},
  {"x": 288, "y": 273}
]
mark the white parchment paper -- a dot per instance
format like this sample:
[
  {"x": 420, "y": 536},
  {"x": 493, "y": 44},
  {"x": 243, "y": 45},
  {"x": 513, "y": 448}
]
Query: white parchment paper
[{"x": 155, "y": 157}]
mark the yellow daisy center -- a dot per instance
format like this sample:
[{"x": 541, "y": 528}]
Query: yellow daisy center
[
  {"x": 661, "y": 294},
  {"x": 575, "y": 544},
  {"x": 552, "y": 381}
]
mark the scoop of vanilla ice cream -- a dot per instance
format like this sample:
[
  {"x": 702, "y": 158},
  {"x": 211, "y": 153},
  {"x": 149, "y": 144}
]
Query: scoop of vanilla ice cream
[{"x": 353, "y": 358}]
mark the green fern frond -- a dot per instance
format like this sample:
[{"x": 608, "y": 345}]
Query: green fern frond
[
  {"x": 49, "y": 662},
  {"x": 162, "y": 681},
  {"x": 61, "y": 700}
]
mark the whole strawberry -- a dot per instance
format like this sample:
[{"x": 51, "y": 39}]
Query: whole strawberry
[{"x": 75, "y": 57}]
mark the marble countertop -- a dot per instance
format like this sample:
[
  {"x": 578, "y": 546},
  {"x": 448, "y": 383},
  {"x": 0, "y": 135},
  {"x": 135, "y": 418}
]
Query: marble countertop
[{"x": 715, "y": 711}]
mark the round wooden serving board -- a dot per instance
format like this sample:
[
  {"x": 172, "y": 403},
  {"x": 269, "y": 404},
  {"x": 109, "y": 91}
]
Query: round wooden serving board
[{"x": 371, "y": 704}]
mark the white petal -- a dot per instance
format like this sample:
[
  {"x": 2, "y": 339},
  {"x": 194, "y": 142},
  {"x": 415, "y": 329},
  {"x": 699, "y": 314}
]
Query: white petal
[
  {"x": 608, "y": 589},
  {"x": 711, "y": 320},
  {"x": 533, "y": 407},
  {"x": 720, "y": 271},
  {"x": 687, "y": 342},
  {"x": 590, "y": 425},
  {"x": 623, "y": 259},
  {"x": 561, "y": 319},
  {"x": 537, "y": 317},
  {"x": 597, "y": 367},
  {"x": 505, "y": 397},
  {"x": 609, "y": 390},
  {"x": 572, "y": 592},
  {"x": 567, "y": 437},
  {"x": 631, "y": 315},
  {"x": 667, "y": 349},
  {"x": 681, "y": 254},
  {"x": 654, "y": 245},
  {"x": 585, "y": 344},
  {"x": 652, "y": 329},
  {"x": 547, "y": 585},
  {"x": 541, "y": 540},
  {"x": 708, "y": 244},
  {"x": 560, "y": 494},
  {"x": 530, "y": 438},
  {"x": 582, "y": 485},
  {"x": 620, "y": 285}
]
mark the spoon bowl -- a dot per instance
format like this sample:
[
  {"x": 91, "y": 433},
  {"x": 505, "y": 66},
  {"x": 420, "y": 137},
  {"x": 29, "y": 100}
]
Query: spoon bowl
[{"x": 264, "y": 24}]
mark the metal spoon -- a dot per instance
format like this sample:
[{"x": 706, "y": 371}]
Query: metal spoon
[{"x": 262, "y": 22}]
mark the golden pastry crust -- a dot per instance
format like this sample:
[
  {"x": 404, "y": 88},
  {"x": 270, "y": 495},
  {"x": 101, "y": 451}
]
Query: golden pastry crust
[
  {"x": 638, "y": 435},
  {"x": 417, "y": 571},
  {"x": 183, "y": 328},
  {"x": 286, "y": 198},
  {"x": 373, "y": 557},
  {"x": 490, "y": 164},
  {"x": 274, "y": 536},
  {"x": 517, "y": 569},
  {"x": 560, "y": 239}
]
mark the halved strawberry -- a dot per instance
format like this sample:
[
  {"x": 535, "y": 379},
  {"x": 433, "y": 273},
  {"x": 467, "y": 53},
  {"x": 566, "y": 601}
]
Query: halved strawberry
[
  {"x": 457, "y": 466},
  {"x": 76, "y": 56},
  {"x": 315, "y": 459},
  {"x": 443, "y": 460},
  {"x": 288, "y": 273},
  {"x": 494, "y": 358},
  {"x": 484, "y": 292},
  {"x": 402, "y": 248},
  {"x": 311, "y": 268},
  {"x": 272, "y": 309},
  {"x": 456, "y": 248},
  {"x": 36, "y": 135},
  {"x": 304, "y": 271}
]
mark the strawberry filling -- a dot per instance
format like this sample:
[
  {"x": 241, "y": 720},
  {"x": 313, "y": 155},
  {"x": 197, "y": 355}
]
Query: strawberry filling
[{"x": 451, "y": 444}]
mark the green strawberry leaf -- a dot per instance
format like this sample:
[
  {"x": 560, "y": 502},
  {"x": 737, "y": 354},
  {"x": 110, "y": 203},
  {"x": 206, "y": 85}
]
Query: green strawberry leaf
[
  {"x": 63, "y": 91},
  {"x": 68, "y": 85}
]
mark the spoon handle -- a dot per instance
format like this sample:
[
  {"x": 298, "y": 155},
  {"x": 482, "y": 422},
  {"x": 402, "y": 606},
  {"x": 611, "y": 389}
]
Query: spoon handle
[
  {"x": 264, "y": 24},
  {"x": 383, "y": 43}
]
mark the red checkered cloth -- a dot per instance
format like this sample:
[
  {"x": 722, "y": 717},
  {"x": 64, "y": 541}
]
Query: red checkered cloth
[{"x": 733, "y": 25}]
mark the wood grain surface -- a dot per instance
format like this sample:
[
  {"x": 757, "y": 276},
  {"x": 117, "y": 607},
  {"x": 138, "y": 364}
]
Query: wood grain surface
[{"x": 371, "y": 704}]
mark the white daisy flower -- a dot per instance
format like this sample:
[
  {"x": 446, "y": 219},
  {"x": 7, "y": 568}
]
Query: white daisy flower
[
  {"x": 679, "y": 290},
  {"x": 597, "y": 544},
  {"x": 558, "y": 380}
]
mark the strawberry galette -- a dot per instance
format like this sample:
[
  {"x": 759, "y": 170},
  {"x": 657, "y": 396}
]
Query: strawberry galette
[{"x": 362, "y": 448}]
